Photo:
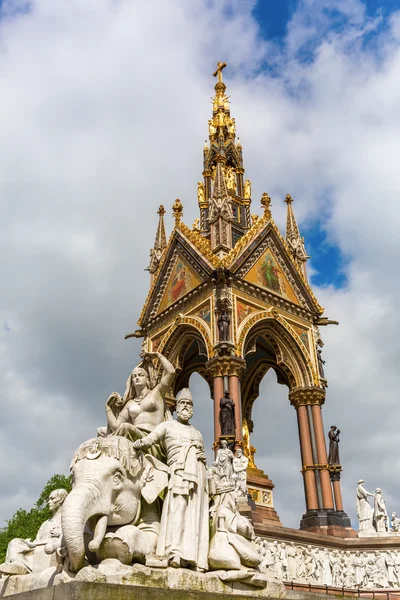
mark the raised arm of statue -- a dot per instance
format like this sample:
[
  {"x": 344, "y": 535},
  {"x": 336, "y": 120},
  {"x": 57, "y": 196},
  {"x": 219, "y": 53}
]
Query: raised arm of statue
[{"x": 168, "y": 371}]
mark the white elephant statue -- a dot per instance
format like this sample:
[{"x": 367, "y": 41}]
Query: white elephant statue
[{"x": 113, "y": 510}]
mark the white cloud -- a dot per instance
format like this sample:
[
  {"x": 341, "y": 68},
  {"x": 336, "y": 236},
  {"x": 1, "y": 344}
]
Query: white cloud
[{"x": 103, "y": 111}]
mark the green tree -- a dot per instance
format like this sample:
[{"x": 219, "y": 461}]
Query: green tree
[{"x": 25, "y": 524}]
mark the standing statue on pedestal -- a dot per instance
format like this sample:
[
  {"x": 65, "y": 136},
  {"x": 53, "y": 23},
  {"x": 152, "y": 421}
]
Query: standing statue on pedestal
[
  {"x": 240, "y": 464},
  {"x": 321, "y": 361},
  {"x": 184, "y": 534},
  {"x": 395, "y": 522},
  {"x": 142, "y": 407},
  {"x": 333, "y": 434},
  {"x": 223, "y": 326},
  {"x": 380, "y": 513},
  {"x": 365, "y": 512},
  {"x": 224, "y": 463},
  {"x": 227, "y": 415},
  {"x": 20, "y": 553}
]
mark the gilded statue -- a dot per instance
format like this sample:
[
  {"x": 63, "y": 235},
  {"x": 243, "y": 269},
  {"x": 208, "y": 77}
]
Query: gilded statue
[
  {"x": 200, "y": 192},
  {"x": 220, "y": 119},
  {"x": 230, "y": 123},
  {"x": 211, "y": 128},
  {"x": 231, "y": 179},
  {"x": 247, "y": 188}
]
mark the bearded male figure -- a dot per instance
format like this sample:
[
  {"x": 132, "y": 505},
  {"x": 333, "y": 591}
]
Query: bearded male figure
[
  {"x": 184, "y": 530},
  {"x": 19, "y": 558}
]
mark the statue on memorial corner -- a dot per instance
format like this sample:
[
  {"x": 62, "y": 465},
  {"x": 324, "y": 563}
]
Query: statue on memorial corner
[
  {"x": 200, "y": 192},
  {"x": 184, "y": 530},
  {"x": 20, "y": 553},
  {"x": 365, "y": 512},
  {"x": 320, "y": 360},
  {"x": 224, "y": 321},
  {"x": 240, "y": 464},
  {"x": 232, "y": 543},
  {"x": 247, "y": 188},
  {"x": 380, "y": 512},
  {"x": 395, "y": 522},
  {"x": 112, "y": 510},
  {"x": 223, "y": 464},
  {"x": 333, "y": 435},
  {"x": 227, "y": 415},
  {"x": 142, "y": 407}
]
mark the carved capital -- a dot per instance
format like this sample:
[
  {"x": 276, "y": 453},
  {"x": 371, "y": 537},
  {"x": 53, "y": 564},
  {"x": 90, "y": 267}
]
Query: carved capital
[
  {"x": 225, "y": 366},
  {"x": 308, "y": 395}
]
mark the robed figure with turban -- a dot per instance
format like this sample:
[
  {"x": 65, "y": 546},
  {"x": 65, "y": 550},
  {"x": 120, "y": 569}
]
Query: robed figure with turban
[{"x": 184, "y": 530}]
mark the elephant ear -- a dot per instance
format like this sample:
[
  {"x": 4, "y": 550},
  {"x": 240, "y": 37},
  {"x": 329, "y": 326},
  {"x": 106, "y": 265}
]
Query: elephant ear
[{"x": 155, "y": 478}]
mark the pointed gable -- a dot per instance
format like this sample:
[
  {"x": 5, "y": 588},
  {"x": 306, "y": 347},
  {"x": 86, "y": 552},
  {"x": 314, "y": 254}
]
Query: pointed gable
[
  {"x": 182, "y": 280},
  {"x": 186, "y": 264},
  {"x": 268, "y": 273},
  {"x": 263, "y": 258}
]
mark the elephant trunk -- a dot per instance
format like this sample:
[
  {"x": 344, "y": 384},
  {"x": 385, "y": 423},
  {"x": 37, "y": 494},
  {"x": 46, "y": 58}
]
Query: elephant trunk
[{"x": 83, "y": 502}]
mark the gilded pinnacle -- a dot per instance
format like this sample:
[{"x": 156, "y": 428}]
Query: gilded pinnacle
[
  {"x": 177, "y": 210},
  {"x": 265, "y": 201},
  {"x": 161, "y": 210},
  {"x": 288, "y": 199}
]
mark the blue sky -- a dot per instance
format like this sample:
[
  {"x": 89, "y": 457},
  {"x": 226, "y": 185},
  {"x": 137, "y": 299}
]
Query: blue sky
[{"x": 328, "y": 262}]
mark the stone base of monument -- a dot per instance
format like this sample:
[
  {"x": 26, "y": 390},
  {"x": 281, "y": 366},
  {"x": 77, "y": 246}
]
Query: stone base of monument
[
  {"x": 111, "y": 580},
  {"x": 378, "y": 534},
  {"x": 328, "y": 522},
  {"x": 261, "y": 502}
]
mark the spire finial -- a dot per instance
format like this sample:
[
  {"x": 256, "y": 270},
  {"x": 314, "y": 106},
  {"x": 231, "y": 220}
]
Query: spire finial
[
  {"x": 218, "y": 72},
  {"x": 266, "y": 204},
  {"x": 160, "y": 242},
  {"x": 177, "y": 210},
  {"x": 288, "y": 199},
  {"x": 293, "y": 237}
]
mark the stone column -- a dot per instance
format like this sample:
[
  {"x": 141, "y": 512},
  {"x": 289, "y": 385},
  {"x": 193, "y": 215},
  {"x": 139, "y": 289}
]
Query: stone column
[
  {"x": 218, "y": 394},
  {"x": 322, "y": 457},
  {"x": 234, "y": 392},
  {"x": 231, "y": 367},
  {"x": 338, "y": 494},
  {"x": 310, "y": 487}
]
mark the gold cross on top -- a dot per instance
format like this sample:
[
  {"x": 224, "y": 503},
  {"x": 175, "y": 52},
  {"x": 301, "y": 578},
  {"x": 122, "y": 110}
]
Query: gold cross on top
[{"x": 218, "y": 72}]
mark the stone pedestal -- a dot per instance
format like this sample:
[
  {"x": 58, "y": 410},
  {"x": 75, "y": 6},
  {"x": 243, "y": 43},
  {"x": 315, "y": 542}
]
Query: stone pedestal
[
  {"x": 262, "y": 501},
  {"x": 113, "y": 581},
  {"x": 328, "y": 522}
]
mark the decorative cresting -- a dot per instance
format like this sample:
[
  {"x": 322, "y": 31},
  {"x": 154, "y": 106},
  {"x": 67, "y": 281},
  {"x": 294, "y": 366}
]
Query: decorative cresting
[
  {"x": 290, "y": 355},
  {"x": 178, "y": 334},
  {"x": 307, "y": 395}
]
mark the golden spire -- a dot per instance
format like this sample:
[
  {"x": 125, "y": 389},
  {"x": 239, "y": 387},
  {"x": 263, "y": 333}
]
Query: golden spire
[
  {"x": 292, "y": 231},
  {"x": 222, "y": 147},
  {"x": 293, "y": 237},
  {"x": 160, "y": 242}
]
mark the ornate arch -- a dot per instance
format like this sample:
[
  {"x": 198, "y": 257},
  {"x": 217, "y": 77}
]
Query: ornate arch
[
  {"x": 183, "y": 335},
  {"x": 291, "y": 356}
]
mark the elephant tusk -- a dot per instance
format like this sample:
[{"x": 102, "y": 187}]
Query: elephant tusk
[{"x": 99, "y": 533}]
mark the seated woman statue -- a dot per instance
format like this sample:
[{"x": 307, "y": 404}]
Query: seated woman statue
[{"x": 142, "y": 407}]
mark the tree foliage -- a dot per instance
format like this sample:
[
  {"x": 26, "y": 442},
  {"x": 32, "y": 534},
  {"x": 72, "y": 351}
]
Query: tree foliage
[{"x": 25, "y": 524}]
